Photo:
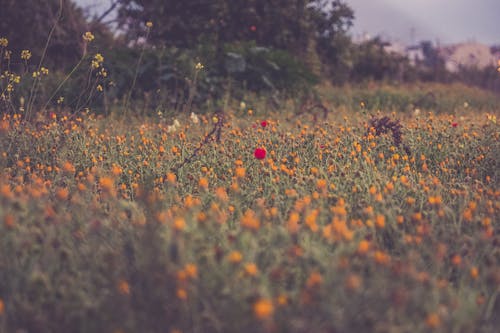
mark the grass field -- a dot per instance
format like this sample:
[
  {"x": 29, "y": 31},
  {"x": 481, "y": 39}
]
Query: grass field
[{"x": 251, "y": 221}]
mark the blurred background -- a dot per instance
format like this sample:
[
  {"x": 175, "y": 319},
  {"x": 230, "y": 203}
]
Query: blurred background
[{"x": 274, "y": 47}]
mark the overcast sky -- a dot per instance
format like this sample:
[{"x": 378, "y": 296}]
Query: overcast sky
[{"x": 446, "y": 21}]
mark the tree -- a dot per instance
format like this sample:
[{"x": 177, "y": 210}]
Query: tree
[
  {"x": 27, "y": 24},
  {"x": 283, "y": 24}
]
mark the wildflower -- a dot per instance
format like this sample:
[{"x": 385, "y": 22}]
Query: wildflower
[
  {"x": 433, "y": 320},
  {"x": 88, "y": 37},
  {"x": 314, "y": 280},
  {"x": 474, "y": 272},
  {"x": 263, "y": 308},
  {"x": 321, "y": 184},
  {"x": 454, "y": 124},
  {"x": 203, "y": 183},
  {"x": 235, "y": 257},
  {"x": 456, "y": 260},
  {"x": 2, "y": 307},
  {"x": 171, "y": 178},
  {"x": 25, "y": 54},
  {"x": 381, "y": 257},
  {"x": 363, "y": 246},
  {"x": 149, "y": 24},
  {"x": 251, "y": 269},
  {"x": 68, "y": 167},
  {"x": 4, "y": 42},
  {"x": 8, "y": 221},
  {"x": 99, "y": 88},
  {"x": 97, "y": 61},
  {"x": 293, "y": 223},
  {"x": 181, "y": 293},
  {"x": 179, "y": 224},
  {"x": 353, "y": 282},
  {"x": 194, "y": 118},
  {"x": 250, "y": 221},
  {"x": 263, "y": 123},
  {"x": 259, "y": 153},
  {"x": 239, "y": 172},
  {"x": 107, "y": 184},
  {"x": 62, "y": 193},
  {"x": 380, "y": 221},
  {"x": 253, "y": 28},
  {"x": 199, "y": 66},
  {"x": 123, "y": 287},
  {"x": 191, "y": 271}
]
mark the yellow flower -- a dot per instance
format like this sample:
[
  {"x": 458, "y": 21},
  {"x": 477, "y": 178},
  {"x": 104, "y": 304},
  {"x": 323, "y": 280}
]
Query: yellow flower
[
  {"x": 25, "y": 54},
  {"x": 88, "y": 37},
  {"x": 263, "y": 308},
  {"x": 149, "y": 24},
  {"x": 199, "y": 66},
  {"x": 4, "y": 42}
]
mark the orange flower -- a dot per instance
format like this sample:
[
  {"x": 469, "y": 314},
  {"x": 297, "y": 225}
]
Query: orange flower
[
  {"x": 353, "y": 282},
  {"x": 250, "y": 221},
  {"x": 456, "y": 260},
  {"x": 363, "y": 246},
  {"x": 123, "y": 287},
  {"x": 181, "y": 294},
  {"x": 8, "y": 221},
  {"x": 179, "y": 224},
  {"x": 171, "y": 177},
  {"x": 2, "y": 307},
  {"x": 235, "y": 257},
  {"x": 191, "y": 271},
  {"x": 107, "y": 184},
  {"x": 251, "y": 269},
  {"x": 321, "y": 184},
  {"x": 68, "y": 167},
  {"x": 381, "y": 258},
  {"x": 474, "y": 272},
  {"x": 315, "y": 279},
  {"x": 62, "y": 193},
  {"x": 380, "y": 221},
  {"x": 203, "y": 183},
  {"x": 293, "y": 223},
  {"x": 239, "y": 172},
  {"x": 433, "y": 320},
  {"x": 263, "y": 308}
]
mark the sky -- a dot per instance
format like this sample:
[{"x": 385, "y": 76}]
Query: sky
[
  {"x": 410, "y": 21},
  {"x": 443, "y": 21}
]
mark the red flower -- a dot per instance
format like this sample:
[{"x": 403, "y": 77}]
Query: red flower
[
  {"x": 263, "y": 123},
  {"x": 259, "y": 153},
  {"x": 253, "y": 28},
  {"x": 454, "y": 124}
]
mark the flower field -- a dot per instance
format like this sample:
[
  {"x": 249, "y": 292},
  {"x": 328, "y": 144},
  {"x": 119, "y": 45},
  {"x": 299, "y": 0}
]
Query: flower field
[{"x": 250, "y": 222}]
